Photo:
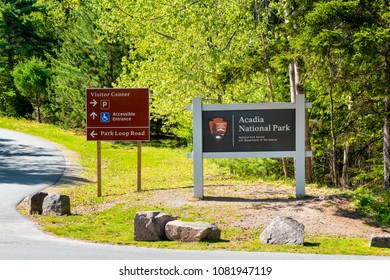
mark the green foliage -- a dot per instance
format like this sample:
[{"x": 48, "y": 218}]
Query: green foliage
[
  {"x": 266, "y": 169},
  {"x": 21, "y": 36},
  {"x": 24, "y": 33},
  {"x": 224, "y": 51},
  {"x": 189, "y": 49},
  {"x": 83, "y": 61},
  {"x": 31, "y": 79},
  {"x": 374, "y": 203},
  {"x": 346, "y": 80}
]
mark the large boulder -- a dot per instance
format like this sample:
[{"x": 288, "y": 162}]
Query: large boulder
[
  {"x": 150, "y": 225},
  {"x": 34, "y": 203},
  {"x": 283, "y": 230},
  {"x": 56, "y": 204},
  {"x": 381, "y": 241},
  {"x": 191, "y": 231}
]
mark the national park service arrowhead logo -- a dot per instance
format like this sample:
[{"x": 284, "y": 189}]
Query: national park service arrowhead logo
[{"x": 218, "y": 128}]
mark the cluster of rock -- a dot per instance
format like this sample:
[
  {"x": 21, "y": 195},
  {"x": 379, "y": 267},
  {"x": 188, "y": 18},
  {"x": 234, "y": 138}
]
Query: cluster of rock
[
  {"x": 43, "y": 203},
  {"x": 156, "y": 226}
]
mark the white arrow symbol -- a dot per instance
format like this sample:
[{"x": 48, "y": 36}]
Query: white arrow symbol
[
  {"x": 94, "y": 102},
  {"x": 93, "y": 134},
  {"x": 93, "y": 115}
]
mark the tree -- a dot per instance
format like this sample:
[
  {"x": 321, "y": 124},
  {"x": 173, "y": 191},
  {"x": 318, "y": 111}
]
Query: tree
[
  {"x": 344, "y": 48},
  {"x": 31, "y": 79},
  {"x": 224, "y": 51},
  {"x": 385, "y": 16},
  {"x": 209, "y": 49},
  {"x": 22, "y": 34},
  {"x": 84, "y": 60}
]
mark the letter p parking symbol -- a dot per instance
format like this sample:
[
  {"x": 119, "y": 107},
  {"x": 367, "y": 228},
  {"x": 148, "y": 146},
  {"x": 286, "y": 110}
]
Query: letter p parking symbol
[{"x": 104, "y": 104}]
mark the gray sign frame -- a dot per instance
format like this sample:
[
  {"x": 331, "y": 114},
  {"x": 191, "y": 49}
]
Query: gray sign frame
[{"x": 299, "y": 153}]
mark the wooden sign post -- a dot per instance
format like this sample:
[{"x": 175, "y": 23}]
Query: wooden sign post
[
  {"x": 139, "y": 165},
  {"x": 99, "y": 168}
]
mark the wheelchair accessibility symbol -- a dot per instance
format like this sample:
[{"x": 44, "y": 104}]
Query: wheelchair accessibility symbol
[{"x": 105, "y": 117}]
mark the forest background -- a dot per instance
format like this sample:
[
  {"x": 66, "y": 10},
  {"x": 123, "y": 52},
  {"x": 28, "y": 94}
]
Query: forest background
[{"x": 335, "y": 52}]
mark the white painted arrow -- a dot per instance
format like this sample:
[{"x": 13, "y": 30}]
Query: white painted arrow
[
  {"x": 94, "y": 102},
  {"x": 93, "y": 115},
  {"x": 93, "y": 134}
]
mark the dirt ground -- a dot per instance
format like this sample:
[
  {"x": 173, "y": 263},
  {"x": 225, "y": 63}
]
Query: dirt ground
[
  {"x": 257, "y": 205},
  {"x": 254, "y": 206}
]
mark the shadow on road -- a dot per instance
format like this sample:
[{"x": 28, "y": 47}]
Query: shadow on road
[{"x": 31, "y": 165}]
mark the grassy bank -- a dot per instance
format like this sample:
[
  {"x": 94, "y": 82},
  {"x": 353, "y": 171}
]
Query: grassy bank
[{"x": 165, "y": 170}]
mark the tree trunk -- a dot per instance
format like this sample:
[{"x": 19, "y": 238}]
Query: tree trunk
[
  {"x": 334, "y": 165},
  {"x": 284, "y": 160},
  {"x": 386, "y": 125},
  {"x": 345, "y": 174},
  {"x": 291, "y": 74},
  {"x": 308, "y": 160},
  {"x": 297, "y": 88},
  {"x": 334, "y": 141},
  {"x": 386, "y": 144},
  {"x": 39, "y": 115}
]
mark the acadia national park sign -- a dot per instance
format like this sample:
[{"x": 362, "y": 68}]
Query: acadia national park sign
[
  {"x": 257, "y": 130},
  {"x": 248, "y": 130}
]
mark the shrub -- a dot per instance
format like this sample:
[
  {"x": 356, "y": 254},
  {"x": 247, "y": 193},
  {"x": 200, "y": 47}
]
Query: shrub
[
  {"x": 374, "y": 203},
  {"x": 253, "y": 167}
]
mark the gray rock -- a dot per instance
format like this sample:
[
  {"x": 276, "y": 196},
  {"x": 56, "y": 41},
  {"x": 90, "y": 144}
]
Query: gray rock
[
  {"x": 283, "y": 230},
  {"x": 150, "y": 225},
  {"x": 191, "y": 231},
  {"x": 34, "y": 203},
  {"x": 56, "y": 204},
  {"x": 381, "y": 241}
]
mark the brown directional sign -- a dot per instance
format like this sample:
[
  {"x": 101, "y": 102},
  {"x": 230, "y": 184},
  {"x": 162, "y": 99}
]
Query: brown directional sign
[{"x": 118, "y": 114}]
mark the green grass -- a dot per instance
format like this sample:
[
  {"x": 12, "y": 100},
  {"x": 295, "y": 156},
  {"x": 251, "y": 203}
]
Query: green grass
[
  {"x": 115, "y": 225},
  {"x": 109, "y": 218}
]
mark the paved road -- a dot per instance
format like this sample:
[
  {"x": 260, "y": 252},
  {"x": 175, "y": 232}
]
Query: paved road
[{"x": 29, "y": 164}]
